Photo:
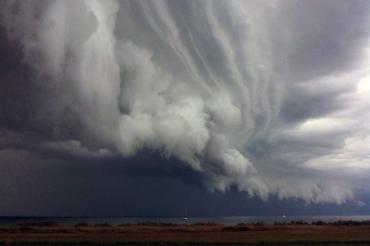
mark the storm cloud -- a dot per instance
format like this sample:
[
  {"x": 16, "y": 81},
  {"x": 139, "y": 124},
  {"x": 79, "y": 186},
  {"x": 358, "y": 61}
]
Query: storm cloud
[{"x": 270, "y": 98}]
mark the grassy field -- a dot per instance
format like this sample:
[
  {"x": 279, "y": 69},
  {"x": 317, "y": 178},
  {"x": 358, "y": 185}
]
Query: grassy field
[{"x": 196, "y": 234}]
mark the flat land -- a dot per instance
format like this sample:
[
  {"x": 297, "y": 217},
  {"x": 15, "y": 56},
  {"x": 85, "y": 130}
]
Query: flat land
[{"x": 196, "y": 234}]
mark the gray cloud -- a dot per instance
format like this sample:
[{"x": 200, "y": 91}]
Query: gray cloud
[{"x": 270, "y": 98}]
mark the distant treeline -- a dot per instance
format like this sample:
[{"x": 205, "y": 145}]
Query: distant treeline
[
  {"x": 319, "y": 222},
  {"x": 293, "y": 222}
]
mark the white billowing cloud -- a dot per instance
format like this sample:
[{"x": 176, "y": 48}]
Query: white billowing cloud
[
  {"x": 321, "y": 126},
  {"x": 353, "y": 155},
  {"x": 75, "y": 149},
  {"x": 205, "y": 82}
]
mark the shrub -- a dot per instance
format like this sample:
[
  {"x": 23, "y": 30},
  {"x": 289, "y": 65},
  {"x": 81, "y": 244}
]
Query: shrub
[
  {"x": 103, "y": 225},
  {"x": 81, "y": 224}
]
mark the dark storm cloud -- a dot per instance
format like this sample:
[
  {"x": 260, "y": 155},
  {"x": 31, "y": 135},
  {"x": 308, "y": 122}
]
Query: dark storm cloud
[
  {"x": 266, "y": 98},
  {"x": 326, "y": 37}
]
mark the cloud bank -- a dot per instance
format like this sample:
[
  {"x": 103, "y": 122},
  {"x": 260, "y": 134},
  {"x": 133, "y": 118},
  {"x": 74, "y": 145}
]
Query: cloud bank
[{"x": 271, "y": 98}]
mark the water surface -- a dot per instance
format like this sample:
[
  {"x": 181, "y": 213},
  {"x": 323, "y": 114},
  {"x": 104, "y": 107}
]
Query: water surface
[{"x": 228, "y": 220}]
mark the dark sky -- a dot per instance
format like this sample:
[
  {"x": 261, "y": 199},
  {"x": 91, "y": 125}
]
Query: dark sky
[{"x": 153, "y": 108}]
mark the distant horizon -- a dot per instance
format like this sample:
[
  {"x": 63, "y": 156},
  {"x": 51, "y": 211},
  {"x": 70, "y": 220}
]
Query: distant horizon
[
  {"x": 154, "y": 216},
  {"x": 179, "y": 216}
]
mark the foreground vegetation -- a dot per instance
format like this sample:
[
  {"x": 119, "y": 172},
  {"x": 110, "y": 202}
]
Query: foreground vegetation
[{"x": 290, "y": 233}]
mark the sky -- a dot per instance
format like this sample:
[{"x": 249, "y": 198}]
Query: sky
[{"x": 151, "y": 108}]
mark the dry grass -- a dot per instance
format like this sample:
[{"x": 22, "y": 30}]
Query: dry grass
[{"x": 195, "y": 234}]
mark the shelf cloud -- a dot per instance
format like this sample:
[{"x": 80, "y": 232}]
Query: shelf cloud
[{"x": 271, "y": 97}]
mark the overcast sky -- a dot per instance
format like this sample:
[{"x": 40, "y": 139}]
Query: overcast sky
[{"x": 150, "y": 107}]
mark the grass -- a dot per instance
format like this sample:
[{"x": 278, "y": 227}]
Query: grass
[
  {"x": 290, "y": 233},
  {"x": 160, "y": 243}
]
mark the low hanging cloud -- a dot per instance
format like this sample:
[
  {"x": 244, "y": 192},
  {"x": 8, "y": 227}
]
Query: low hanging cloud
[{"x": 271, "y": 98}]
